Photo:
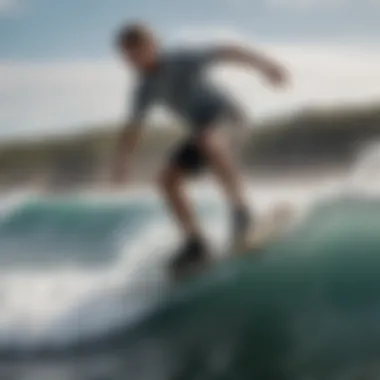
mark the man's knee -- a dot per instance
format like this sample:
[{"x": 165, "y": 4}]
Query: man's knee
[
  {"x": 170, "y": 179},
  {"x": 210, "y": 141}
]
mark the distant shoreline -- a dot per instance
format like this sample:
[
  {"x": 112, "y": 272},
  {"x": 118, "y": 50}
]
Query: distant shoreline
[{"x": 303, "y": 145}]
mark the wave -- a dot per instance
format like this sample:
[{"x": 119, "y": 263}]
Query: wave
[
  {"x": 75, "y": 267},
  {"x": 83, "y": 282},
  {"x": 308, "y": 310}
]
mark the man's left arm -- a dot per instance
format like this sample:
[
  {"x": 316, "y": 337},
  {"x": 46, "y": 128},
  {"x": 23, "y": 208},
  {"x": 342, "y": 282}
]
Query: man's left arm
[{"x": 275, "y": 72}]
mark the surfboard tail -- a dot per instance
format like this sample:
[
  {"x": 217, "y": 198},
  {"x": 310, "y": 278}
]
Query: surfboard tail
[{"x": 269, "y": 228}]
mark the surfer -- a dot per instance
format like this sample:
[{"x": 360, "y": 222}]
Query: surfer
[{"x": 176, "y": 80}]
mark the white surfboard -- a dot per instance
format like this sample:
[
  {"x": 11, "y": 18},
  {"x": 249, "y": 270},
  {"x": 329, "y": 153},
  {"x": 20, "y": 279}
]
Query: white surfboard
[{"x": 270, "y": 227}]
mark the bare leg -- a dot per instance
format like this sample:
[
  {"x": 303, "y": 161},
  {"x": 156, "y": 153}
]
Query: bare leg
[
  {"x": 218, "y": 155},
  {"x": 193, "y": 255},
  {"x": 172, "y": 184}
]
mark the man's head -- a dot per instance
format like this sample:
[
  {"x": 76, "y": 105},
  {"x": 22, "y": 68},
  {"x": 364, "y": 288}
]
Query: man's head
[{"x": 138, "y": 45}]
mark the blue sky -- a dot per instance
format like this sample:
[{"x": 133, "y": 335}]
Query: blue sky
[
  {"x": 56, "y": 29},
  {"x": 58, "y": 68}
]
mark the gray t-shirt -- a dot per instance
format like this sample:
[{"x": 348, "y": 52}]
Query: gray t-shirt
[{"x": 179, "y": 83}]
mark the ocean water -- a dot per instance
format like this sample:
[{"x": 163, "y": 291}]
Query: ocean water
[{"x": 85, "y": 294}]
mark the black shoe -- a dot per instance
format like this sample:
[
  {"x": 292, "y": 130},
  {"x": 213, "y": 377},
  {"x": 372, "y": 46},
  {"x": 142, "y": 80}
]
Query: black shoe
[{"x": 193, "y": 255}]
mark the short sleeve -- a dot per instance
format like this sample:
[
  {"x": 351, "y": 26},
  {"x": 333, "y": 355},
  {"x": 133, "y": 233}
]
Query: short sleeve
[
  {"x": 202, "y": 57},
  {"x": 195, "y": 59},
  {"x": 141, "y": 101}
]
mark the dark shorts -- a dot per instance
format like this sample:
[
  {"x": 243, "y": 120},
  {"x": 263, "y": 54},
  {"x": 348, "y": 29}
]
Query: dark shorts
[{"x": 188, "y": 156}]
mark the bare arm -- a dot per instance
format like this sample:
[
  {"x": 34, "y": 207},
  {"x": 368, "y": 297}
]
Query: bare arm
[
  {"x": 237, "y": 54},
  {"x": 127, "y": 144},
  {"x": 131, "y": 133}
]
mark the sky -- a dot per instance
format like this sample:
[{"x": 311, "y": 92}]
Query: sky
[{"x": 59, "y": 71}]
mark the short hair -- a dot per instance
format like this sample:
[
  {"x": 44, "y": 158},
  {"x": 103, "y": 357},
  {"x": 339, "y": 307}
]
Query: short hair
[{"x": 133, "y": 35}]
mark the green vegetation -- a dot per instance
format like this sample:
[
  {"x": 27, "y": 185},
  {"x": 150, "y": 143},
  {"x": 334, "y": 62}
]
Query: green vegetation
[{"x": 315, "y": 137}]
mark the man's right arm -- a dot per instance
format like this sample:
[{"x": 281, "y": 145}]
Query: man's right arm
[
  {"x": 130, "y": 135},
  {"x": 127, "y": 144}
]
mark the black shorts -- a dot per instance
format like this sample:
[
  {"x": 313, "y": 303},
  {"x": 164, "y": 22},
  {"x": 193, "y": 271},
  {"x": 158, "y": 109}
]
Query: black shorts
[{"x": 188, "y": 156}]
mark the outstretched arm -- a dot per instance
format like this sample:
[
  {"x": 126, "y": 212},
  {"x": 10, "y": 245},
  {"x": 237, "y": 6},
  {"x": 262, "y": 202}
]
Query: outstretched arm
[
  {"x": 237, "y": 54},
  {"x": 127, "y": 144},
  {"x": 131, "y": 134}
]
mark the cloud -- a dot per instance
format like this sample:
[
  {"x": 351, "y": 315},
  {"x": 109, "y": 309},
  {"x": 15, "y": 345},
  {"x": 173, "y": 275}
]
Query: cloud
[
  {"x": 56, "y": 96},
  {"x": 49, "y": 97},
  {"x": 320, "y": 4},
  {"x": 375, "y": 3},
  {"x": 319, "y": 77},
  {"x": 299, "y": 4},
  {"x": 8, "y": 6}
]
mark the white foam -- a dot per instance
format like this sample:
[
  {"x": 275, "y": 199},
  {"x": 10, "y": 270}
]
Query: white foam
[
  {"x": 58, "y": 306},
  {"x": 365, "y": 175}
]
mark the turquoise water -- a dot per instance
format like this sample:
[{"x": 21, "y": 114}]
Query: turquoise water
[
  {"x": 57, "y": 232},
  {"x": 309, "y": 310}
]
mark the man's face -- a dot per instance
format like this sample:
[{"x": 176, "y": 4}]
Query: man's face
[{"x": 142, "y": 57}]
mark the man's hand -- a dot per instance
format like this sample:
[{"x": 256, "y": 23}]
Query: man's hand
[{"x": 276, "y": 75}]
